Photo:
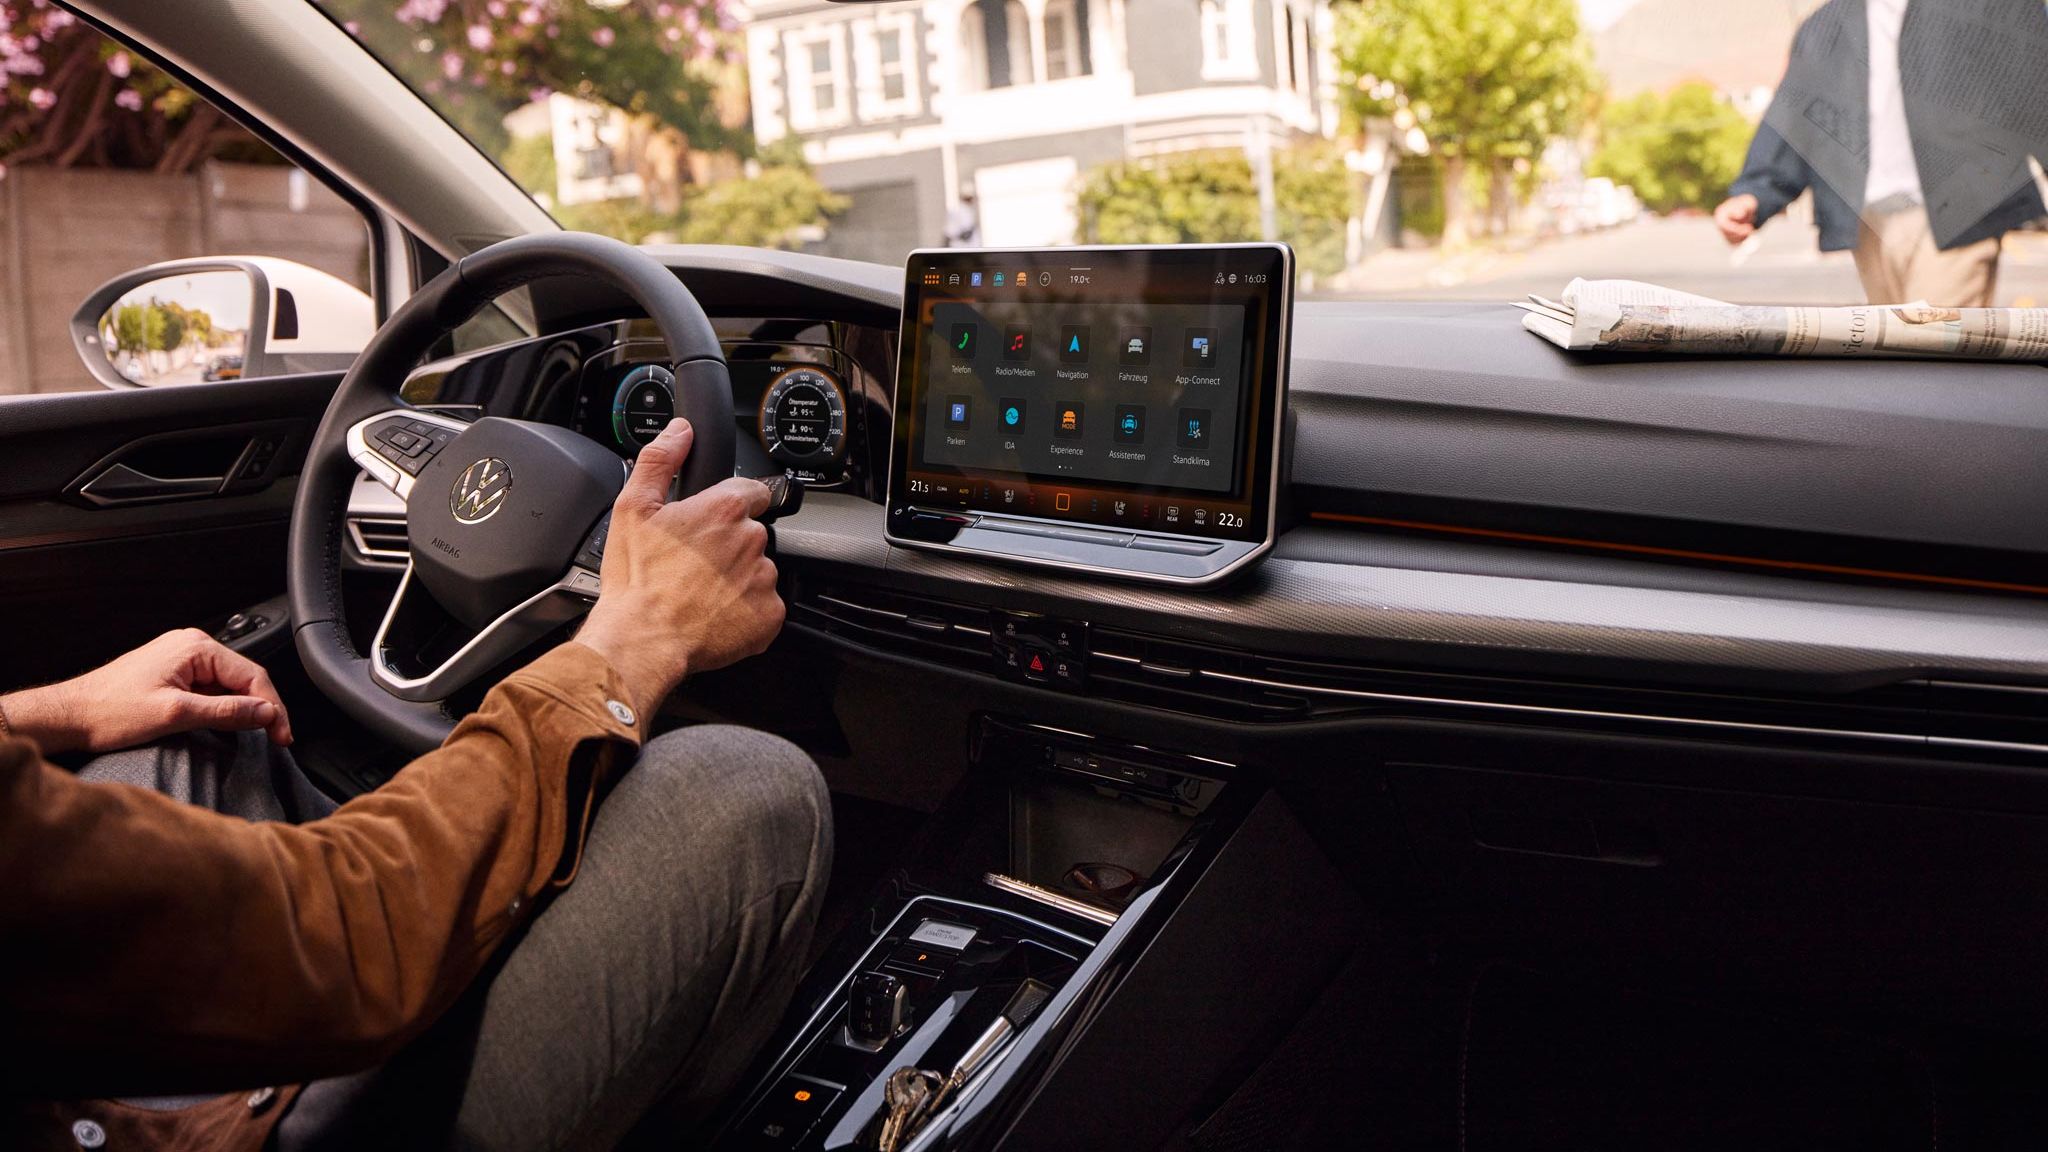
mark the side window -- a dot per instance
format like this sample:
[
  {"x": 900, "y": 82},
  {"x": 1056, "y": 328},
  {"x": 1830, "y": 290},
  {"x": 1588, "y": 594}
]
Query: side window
[{"x": 109, "y": 166}]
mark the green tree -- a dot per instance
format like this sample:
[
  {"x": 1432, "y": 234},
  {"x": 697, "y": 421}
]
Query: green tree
[
  {"x": 1489, "y": 81},
  {"x": 1211, "y": 198},
  {"x": 1679, "y": 150},
  {"x": 1313, "y": 199},
  {"x": 70, "y": 97},
  {"x": 170, "y": 326},
  {"x": 136, "y": 329},
  {"x": 1191, "y": 198},
  {"x": 480, "y": 59},
  {"x": 773, "y": 209}
]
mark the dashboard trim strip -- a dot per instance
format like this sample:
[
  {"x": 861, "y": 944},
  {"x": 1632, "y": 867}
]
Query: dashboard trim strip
[{"x": 1602, "y": 714}]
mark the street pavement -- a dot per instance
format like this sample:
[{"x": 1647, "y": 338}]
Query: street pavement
[{"x": 1683, "y": 252}]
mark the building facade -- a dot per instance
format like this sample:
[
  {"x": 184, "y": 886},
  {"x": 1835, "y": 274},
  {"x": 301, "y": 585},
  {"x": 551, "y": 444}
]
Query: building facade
[{"x": 905, "y": 106}]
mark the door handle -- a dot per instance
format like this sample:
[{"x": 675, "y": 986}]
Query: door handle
[{"x": 124, "y": 484}]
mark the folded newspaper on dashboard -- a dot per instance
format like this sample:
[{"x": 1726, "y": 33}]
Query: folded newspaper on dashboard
[{"x": 1629, "y": 316}]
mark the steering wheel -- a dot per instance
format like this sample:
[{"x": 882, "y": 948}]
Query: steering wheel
[{"x": 506, "y": 518}]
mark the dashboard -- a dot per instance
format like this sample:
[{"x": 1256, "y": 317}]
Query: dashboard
[
  {"x": 1455, "y": 494},
  {"x": 805, "y": 393}
]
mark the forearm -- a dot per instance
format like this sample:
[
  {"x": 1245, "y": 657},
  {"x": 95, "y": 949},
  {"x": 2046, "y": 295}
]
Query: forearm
[
  {"x": 51, "y": 716},
  {"x": 176, "y": 948}
]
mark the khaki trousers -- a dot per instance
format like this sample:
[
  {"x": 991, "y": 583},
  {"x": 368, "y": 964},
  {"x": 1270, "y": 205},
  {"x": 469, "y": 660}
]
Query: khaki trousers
[{"x": 1898, "y": 263}]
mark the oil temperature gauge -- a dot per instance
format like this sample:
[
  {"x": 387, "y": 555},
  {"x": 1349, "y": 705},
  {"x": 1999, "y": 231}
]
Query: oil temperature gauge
[{"x": 803, "y": 418}]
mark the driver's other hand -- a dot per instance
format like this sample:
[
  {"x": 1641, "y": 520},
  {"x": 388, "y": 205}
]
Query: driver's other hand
[
  {"x": 688, "y": 586},
  {"x": 179, "y": 682},
  {"x": 1736, "y": 218}
]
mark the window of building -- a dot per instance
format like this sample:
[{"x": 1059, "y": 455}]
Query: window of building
[
  {"x": 1066, "y": 46},
  {"x": 817, "y": 78},
  {"x": 1016, "y": 44},
  {"x": 973, "y": 49},
  {"x": 885, "y": 66},
  {"x": 1301, "y": 47},
  {"x": 995, "y": 53},
  {"x": 1227, "y": 40},
  {"x": 889, "y": 62},
  {"x": 1293, "y": 70}
]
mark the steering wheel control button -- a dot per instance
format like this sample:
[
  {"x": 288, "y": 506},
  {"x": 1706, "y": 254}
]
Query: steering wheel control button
[
  {"x": 591, "y": 555},
  {"x": 621, "y": 712}
]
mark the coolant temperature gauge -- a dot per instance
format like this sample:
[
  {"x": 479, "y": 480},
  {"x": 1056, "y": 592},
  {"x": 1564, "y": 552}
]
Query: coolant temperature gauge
[{"x": 803, "y": 419}]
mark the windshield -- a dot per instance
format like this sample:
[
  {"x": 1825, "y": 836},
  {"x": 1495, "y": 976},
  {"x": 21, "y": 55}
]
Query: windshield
[{"x": 1767, "y": 151}]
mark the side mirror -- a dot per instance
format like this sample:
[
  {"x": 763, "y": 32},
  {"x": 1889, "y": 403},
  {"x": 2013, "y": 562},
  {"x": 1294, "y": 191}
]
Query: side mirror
[{"x": 220, "y": 318}]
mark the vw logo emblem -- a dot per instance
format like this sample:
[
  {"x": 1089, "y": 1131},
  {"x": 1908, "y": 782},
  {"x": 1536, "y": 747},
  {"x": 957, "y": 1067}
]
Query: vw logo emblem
[{"x": 480, "y": 491}]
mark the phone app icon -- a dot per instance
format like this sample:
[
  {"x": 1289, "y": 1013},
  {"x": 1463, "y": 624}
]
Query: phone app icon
[
  {"x": 1067, "y": 419},
  {"x": 1130, "y": 424},
  {"x": 1198, "y": 348},
  {"x": 1017, "y": 344},
  {"x": 974, "y": 279},
  {"x": 963, "y": 341},
  {"x": 959, "y": 410},
  {"x": 1010, "y": 414},
  {"x": 999, "y": 279},
  {"x": 1193, "y": 430},
  {"x": 1074, "y": 343},
  {"x": 1134, "y": 345}
]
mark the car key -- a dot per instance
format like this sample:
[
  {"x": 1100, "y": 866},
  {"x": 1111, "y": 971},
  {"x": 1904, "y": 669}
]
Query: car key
[{"x": 905, "y": 1094}]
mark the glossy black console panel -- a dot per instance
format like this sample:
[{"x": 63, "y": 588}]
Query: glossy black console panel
[
  {"x": 1052, "y": 862},
  {"x": 827, "y": 1093}
]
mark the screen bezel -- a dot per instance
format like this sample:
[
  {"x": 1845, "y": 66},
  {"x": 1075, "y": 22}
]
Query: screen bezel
[{"x": 1267, "y": 382}]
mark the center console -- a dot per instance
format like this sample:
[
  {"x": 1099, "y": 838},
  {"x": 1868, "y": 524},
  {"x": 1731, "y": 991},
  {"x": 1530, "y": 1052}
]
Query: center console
[{"x": 1028, "y": 898}]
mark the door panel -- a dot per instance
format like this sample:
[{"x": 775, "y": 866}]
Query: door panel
[{"x": 94, "y": 560}]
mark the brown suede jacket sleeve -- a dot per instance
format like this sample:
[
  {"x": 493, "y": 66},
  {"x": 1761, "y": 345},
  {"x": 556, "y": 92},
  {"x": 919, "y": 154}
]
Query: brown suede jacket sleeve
[{"x": 146, "y": 945}]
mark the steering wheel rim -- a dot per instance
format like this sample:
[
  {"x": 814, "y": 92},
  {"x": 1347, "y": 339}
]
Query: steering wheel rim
[{"x": 369, "y": 393}]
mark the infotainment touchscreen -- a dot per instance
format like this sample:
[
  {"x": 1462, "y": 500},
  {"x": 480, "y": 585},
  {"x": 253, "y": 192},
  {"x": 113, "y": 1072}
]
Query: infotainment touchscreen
[{"x": 1113, "y": 409}]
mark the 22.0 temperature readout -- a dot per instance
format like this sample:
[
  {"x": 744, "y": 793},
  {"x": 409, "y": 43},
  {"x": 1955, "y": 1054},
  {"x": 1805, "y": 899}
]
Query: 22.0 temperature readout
[{"x": 803, "y": 418}]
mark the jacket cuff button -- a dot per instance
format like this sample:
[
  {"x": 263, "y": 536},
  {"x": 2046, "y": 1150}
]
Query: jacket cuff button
[
  {"x": 261, "y": 1098},
  {"x": 88, "y": 1134},
  {"x": 621, "y": 711}
]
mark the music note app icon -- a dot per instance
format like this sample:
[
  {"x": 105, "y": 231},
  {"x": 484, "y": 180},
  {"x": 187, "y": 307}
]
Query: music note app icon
[{"x": 1017, "y": 344}]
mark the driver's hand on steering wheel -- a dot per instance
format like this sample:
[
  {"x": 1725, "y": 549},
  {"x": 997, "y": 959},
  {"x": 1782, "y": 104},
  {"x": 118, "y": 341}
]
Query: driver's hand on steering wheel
[
  {"x": 688, "y": 587},
  {"x": 179, "y": 682}
]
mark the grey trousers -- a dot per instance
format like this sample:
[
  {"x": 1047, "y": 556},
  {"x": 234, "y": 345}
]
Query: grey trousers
[{"x": 632, "y": 1003}]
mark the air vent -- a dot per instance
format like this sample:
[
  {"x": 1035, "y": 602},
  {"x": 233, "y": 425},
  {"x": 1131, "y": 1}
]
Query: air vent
[
  {"x": 1247, "y": 686},
  {"x": 956, "y": 634},
  {"x": 380, "y": 540}
]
